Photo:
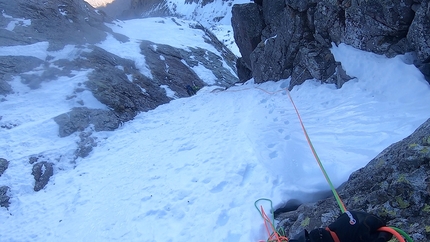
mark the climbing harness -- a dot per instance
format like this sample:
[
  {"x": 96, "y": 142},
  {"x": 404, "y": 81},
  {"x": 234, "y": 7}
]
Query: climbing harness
[{"x": 279, "y": 236}]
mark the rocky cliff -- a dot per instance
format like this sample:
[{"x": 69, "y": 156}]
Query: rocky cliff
[{"x": 282, "y": 38}]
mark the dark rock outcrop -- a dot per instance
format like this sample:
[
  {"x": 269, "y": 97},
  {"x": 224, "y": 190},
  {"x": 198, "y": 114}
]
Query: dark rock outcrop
[
  {"x": 377, "y": 25},
  {"x": 395, "y": 185},
  {"x": 112, "y": 88},
  {"x": 174, "y": 68},
  {"x": 4, "y": 197},
  {"x": 418, "y": 35},
  {"x": 78, "y": 119},
  {"x": 247, "y": 22},
  {"x": 166, "y": 69},
  {"x": 214, "y": 62},
  {"x": 4, "y": 164},
  {"x": 42, "y": 171},
  {"x": 244, "y": 73},
  {"x": 85, "y": 145},
  {"x": 297, "y": 35},
  {"x": 14, "y": 65}
]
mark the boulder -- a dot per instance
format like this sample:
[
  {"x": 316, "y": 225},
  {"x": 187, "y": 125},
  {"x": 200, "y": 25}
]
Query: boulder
[
  {"x": 4, "y": 197},
  {"x": 174, "y": 67},
  {"x": 4, "y": 164},
  {"x": 42, "y": 171},
  {"x": 395, "y": 186},
  {"x": 78, "y": 119},
  {"x": 112, "y": 87},
  {"x": 85, "y": 145}
]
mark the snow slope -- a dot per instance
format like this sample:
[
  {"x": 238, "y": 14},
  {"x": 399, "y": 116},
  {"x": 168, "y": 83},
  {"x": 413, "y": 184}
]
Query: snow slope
[
  {"x": 192, "y": 169},
  {"x": 215, "y": 16}
]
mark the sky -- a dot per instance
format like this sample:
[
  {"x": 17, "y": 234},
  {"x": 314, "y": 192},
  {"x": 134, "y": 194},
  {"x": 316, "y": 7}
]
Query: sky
[
  {"x": 191, "y": 170},
  {"x": 99, "y": 3}
]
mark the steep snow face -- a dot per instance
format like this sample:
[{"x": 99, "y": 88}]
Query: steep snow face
[
  {"x": 216, "y": 16},
  {"x": 217, "y": 12}
]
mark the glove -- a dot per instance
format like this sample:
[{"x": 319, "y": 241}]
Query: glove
[
  {"x": 349, "y": 227},
  {"x": 354, "y": 227}
]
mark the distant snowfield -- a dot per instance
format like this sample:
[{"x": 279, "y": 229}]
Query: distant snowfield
[{"x": 192, "y": 169}]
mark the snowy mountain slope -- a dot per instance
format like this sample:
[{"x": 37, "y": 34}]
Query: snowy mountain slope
[
  {"x": 192, "y": 169},
  {"x": 215, "y": 15}
]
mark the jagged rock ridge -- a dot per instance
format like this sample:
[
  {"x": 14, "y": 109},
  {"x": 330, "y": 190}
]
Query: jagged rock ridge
[{"x": 279, "y": 39}]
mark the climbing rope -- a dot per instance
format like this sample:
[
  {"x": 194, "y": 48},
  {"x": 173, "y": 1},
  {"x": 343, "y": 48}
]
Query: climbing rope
[
  {"x": 274, "y": 235},
  {"x": 270, "y": 228},
  {"x": 336, "y": 195}
]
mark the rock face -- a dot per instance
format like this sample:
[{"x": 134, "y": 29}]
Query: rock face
[
  {"x": 296, "y": 35},
  {"x": 4, "y": 198},
  {"x": 395, "y": 185},
  {"x": 248, "y": 25},
  {"x": 4, "y": 164}
]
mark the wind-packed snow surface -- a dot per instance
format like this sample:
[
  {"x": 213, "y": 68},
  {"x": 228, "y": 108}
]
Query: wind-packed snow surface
[{"x": 192, "y": 169}]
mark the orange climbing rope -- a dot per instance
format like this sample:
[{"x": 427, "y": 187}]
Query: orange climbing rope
[{"x": 270, "y": 228}]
